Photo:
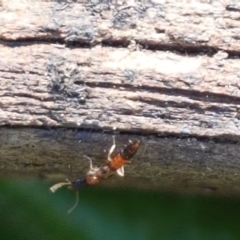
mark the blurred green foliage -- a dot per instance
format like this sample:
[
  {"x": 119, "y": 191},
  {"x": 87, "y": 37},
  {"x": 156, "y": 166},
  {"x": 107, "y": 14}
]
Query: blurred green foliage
[{"x": 30, "y": 211}]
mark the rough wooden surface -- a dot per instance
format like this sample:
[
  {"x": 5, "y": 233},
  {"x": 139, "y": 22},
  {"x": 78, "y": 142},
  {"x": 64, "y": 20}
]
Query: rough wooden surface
[
  {"x": 166, "y": 163},
  {"x": 162, "y": 68},
  {"x": 108, "y": 87}
]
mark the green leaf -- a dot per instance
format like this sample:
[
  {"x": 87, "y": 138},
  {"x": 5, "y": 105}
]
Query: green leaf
[{"x": 28, "y": 210}]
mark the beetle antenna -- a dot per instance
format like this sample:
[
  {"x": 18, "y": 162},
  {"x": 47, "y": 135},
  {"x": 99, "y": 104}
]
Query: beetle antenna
[
  {"x": 55, "y": 187},
  {"x": 75, "y": 204}
]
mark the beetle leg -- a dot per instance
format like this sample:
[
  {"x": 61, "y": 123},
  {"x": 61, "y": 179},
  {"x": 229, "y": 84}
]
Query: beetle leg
[
  {"x": 90, "y": 161},
  {"x": 111, "y": 149},
  {"x": 120, "y": 171},
  {"x": 92, "y": 170}
]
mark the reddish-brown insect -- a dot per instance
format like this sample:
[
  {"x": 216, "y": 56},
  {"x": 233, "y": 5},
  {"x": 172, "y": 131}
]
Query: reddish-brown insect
[{"x": 95, "y": 175}]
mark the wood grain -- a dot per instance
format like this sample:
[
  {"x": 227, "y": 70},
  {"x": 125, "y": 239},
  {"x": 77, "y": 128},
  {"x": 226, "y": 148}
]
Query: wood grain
[{"x": 166, "y": 71}]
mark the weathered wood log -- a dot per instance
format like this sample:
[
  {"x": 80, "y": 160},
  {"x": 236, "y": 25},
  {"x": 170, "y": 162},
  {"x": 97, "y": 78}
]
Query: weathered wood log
[
  {"x": 167, "y": 163},
  {"x": 169, "y": 72}
]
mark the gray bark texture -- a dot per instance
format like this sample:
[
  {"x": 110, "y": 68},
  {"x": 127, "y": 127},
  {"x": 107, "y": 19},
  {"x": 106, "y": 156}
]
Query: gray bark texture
[{"x": 72, "y": 73}]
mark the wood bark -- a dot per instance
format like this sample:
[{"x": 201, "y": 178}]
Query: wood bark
[{"x": 168, "y": 72}]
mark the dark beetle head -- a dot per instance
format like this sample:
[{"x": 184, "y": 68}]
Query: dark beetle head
[{"x": 79, "y": 184}]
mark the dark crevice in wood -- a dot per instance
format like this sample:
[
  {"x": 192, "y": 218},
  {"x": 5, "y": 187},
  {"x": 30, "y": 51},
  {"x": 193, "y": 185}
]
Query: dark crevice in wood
[
  {"x": 233, "y": 8},
  {"x": 89, "y": 129},
  {"x": 192, "y": 94},
  {"x": 190, "y": 50},
  {"x": 48, "y": 40},
  {"x": 28, "y": 164},
  {"x": 193, "y": 106},
  {"x": 154, "y": 46},
  {"x": 29, "y": 96}
]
